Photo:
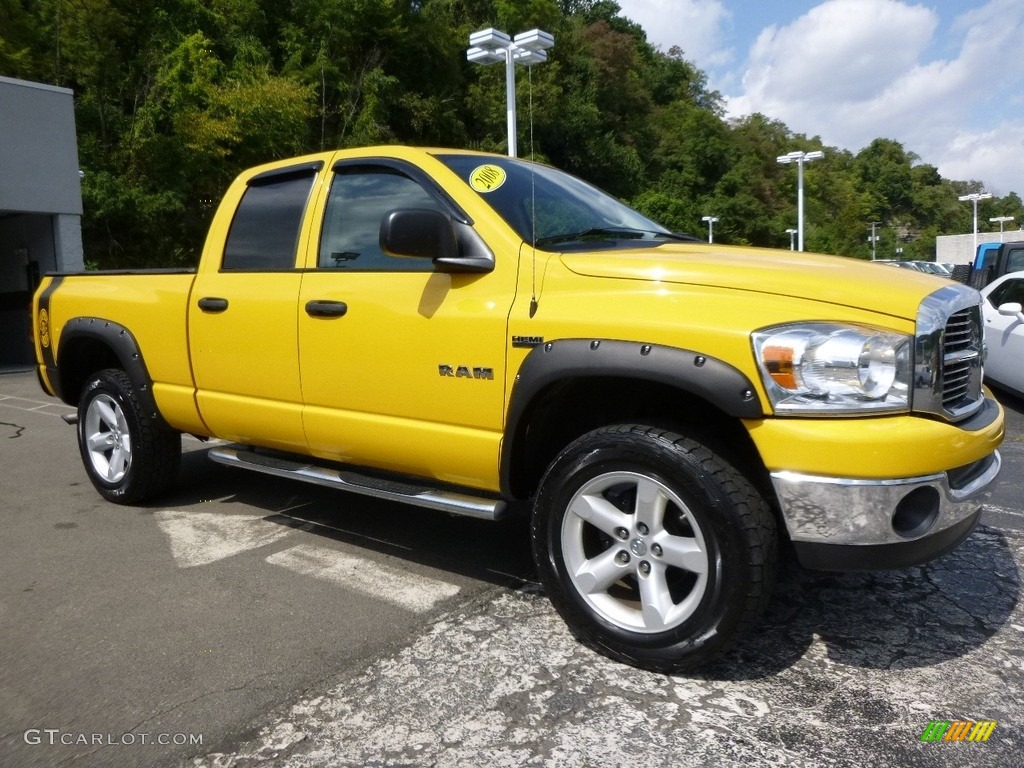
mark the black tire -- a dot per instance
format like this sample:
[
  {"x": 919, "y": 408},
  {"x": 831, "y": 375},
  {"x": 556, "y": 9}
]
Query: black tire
[
  {"x": 961, "y": 274},
  {"x": 982, "y": 277},
  {"x": 670, "y": 596},
  {"x": 129, "y": 455}
]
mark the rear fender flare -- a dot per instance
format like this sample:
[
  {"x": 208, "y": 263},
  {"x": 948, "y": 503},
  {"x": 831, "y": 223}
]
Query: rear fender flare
[{"x": 120, "y": 341}]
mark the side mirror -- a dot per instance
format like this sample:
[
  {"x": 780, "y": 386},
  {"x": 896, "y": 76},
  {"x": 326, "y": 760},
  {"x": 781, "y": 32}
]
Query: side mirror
[
  {"x": 425, "y": 233},
  {"x": 1011, "y": 309},
  {"x": 418, "y": 233}
]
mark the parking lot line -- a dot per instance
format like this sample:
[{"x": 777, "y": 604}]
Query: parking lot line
[
  {"x": 415, "y": 593},
  {"x": 34, "y": 406},
  {"x": 201, "y": 538}
]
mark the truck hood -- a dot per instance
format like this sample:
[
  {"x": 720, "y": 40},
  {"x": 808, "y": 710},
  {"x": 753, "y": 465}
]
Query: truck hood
[{"x": 832, "y": 279}]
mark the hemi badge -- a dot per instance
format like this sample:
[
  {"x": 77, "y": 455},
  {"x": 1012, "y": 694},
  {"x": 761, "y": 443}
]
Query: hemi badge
[{"x": 527, "y": 341}]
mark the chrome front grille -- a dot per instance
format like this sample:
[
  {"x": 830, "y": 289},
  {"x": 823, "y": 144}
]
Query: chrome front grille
[
  {"x": 961, "y": 350},
  {"x": 948, "y": 354}
]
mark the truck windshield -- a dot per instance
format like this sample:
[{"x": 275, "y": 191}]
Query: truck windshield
[{"x": 552, "y": 209}]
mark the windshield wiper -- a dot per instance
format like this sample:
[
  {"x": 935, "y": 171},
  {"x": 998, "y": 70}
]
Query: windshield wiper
[{"x": 597, "y": 233}]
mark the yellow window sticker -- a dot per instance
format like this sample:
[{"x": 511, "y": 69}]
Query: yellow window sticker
[{"x": 486, "y": 178}]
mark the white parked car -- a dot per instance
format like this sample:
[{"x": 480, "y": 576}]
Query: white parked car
[{"x": 1004, "y": 332}]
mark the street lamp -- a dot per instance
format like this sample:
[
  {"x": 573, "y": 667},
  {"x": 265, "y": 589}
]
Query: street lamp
[
  {"x": 873, "y": 239},
  {"x": 974, "y": 197},
  {"x": 711, "y": 226},
  {"x": 792, "y": 244},
  {"x": 1002, "y": 220},
  {"x": 800, "y": 158},
  {"x": 489, "y": 46}
]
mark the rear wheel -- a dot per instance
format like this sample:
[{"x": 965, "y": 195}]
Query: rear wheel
[
  {"x": 654, "y": 550},
  {"x": 128, "y": 454}
]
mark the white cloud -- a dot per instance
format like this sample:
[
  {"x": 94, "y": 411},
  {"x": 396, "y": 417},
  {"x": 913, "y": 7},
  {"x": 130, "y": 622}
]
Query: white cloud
[
  {"x": 854, "y": 70},
  {"x": 842, "y": 50},
  {"x": 829, "y": 71},
  {"x": 995, "y": 156},
  {"x": 696, "y": 26},
  {"x": 949, "y": 87}
]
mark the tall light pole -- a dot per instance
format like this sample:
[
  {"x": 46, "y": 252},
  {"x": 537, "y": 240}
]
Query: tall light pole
[
  {"x": 1002, "y": 220},
  {"x": 792, "y": 242},
  {"x": 874, "y": 240},
  {"x": 710, "y": 220},
  {"x": 489, "y": 46},
  {"x": 974, "y": 197},
  {"x": 800, "y": 158}
]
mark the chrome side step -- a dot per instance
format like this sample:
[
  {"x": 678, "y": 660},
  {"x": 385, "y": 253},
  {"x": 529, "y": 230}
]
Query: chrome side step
[{"x": 348, "y": 480}]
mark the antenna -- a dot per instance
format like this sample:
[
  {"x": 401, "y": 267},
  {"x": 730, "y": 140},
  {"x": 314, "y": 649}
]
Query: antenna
[{"x": 533, "y": 209}]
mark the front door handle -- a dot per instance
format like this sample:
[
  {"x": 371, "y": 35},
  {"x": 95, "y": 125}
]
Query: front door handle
[
  {"x": 213, "y": 304},
  {"x": 326, "y": 308}
]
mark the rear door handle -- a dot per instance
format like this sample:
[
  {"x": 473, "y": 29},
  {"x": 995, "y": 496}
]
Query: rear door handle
[
  {"x": 213, "y": 304},
  {"x": 326, "y": 308}
]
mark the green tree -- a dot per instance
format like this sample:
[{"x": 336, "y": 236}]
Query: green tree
[
  {"x": 174, "y": 97},
  {"x": 19, "y": 52},
  {"x": 755, "y": 194}
]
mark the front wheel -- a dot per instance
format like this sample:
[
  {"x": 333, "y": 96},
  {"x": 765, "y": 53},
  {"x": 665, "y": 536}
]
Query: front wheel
[
  {"x": 654, "y": 550},
  {"x": 128, "y": 454}
]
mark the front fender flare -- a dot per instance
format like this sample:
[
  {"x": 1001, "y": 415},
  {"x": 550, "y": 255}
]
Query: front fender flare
[{"x": 698, "y": 374}]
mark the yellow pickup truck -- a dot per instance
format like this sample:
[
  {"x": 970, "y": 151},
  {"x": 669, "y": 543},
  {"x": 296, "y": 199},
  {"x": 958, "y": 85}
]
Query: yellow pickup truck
[{"x": 478, "y": 334}]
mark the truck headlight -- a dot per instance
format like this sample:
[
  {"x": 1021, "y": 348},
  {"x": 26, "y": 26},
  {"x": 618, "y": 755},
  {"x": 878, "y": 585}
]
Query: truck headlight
[{"x": 829, "y": 369}]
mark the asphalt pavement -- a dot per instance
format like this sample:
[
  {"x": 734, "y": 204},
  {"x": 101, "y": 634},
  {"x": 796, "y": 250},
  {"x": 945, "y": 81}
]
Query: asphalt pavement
[{"x": 248, "y": 621}]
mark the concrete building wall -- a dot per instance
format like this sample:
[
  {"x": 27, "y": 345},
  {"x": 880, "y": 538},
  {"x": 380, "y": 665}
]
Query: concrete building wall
[
  {"x": 39, "y": 150},
  {"x": 40, "y": 202},
  {"x": 959, "y": 249},
  {"x": 67, "y": 241}
]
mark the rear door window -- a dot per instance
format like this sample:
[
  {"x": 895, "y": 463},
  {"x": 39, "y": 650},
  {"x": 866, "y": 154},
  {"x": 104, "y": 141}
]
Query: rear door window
[{"x": 265, "y": 230}]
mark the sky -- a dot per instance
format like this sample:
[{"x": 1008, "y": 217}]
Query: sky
[{"x": 945, "y": 78}]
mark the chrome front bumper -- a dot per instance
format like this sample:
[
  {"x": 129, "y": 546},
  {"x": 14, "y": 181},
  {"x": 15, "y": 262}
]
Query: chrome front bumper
[{"x": 851, "y": 524}]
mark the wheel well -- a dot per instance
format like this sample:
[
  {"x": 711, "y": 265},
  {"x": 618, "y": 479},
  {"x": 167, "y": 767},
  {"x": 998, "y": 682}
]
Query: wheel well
[
  {"x": 571, "y": 408},
  {"x": 79, "y": 360}
]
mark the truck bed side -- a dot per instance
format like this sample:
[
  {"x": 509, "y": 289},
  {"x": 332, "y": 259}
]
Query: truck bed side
[{"x": 136, "y": 321}]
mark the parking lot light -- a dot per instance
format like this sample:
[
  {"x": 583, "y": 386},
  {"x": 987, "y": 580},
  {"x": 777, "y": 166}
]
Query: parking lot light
[
  {"x": 710, "y": 221},
  {"x": 1002, "y": 220},
  {"x": 800, "y": 158},
  {"x": 974, "y": 197},
  {"x": 490, "y": 46}
]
